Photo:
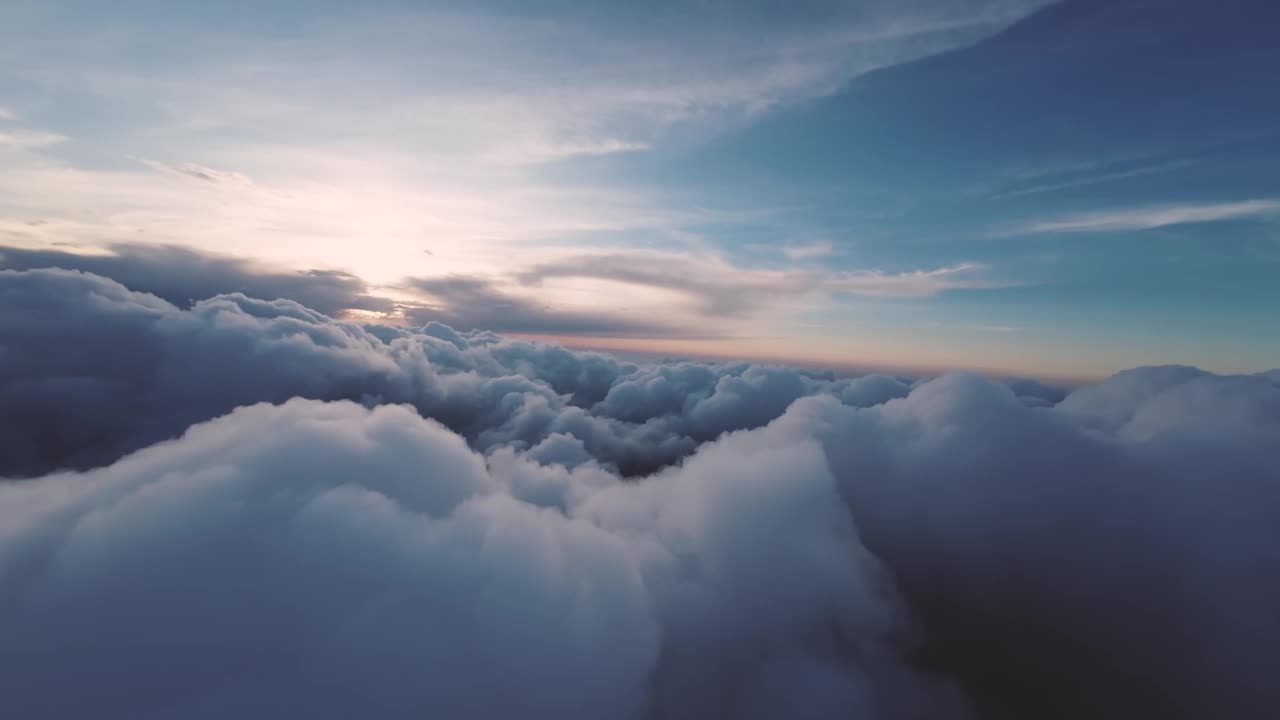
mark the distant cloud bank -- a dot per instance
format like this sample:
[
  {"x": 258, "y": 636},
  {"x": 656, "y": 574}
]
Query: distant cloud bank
[
  {"x": 713, "y": 298},
  {"x": 246, "y": 508}
]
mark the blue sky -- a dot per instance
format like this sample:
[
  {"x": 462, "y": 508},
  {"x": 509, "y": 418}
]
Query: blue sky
[{"x": 1061, "y": 189}]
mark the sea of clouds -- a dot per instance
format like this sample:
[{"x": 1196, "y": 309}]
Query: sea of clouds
[{"x": 244, "y": 508}]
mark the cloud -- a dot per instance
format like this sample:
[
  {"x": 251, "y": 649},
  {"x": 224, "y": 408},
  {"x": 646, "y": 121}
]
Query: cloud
[
  {"x": 976, "y": 328},
  {"x": 1151, "y": 217},
  {"x": 362, "y": 211},
  {"x": 444, "y": 128},
  {"x": 915, "y": 283},
  {"x": 508, "y": 88},
  {"x": 326, "y": 559},
  {"x": 186, "y": 366},
  {"x": 183, "y": 276},
  {"x": 22, "y": 139},
  {"x": 719, "y": 288},
  {"x": 77, "y": 346},
  {"x": 808, "y": 252},
  {"x": 199, "y": 172},
  {"x": 787, "y": 543},
  {"x": 1077, "y": 175},
  {"x": 544, "y": 152},
  {"x": 1050, "y": 551},
  {"x": 8, "y": 115},
  {"x": 469, "y": 302}
]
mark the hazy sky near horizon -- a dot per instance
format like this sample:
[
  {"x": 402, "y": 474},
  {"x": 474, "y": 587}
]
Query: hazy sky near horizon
[{"x": 1060, "y": 189}]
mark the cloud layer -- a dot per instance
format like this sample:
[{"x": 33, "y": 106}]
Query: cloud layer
[
  {"x": 247, "y": 508},
  {"x": 92, "y": 370},
  {"x": 182, "y": 276}
]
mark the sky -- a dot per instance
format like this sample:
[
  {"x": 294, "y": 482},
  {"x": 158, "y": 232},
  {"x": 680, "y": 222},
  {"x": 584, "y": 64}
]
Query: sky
[
  {"x": 1054, "y": 189},
  {"x": 495, "y": 358}
]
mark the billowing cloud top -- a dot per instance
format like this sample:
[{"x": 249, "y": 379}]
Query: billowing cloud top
[{"x": 245, "y": 508}]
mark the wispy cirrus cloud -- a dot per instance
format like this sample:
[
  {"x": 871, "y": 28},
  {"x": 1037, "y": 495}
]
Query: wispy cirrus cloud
[
  {"x": 718, "y": 287},
  {"x": 507, "y": 89},
  {"x": 975, "y": 328},
  {"x": 321, "y": 208},
  {"x": 1087, "y": 175},
  {"x": 443, "y": 148},
  {"x": 1149, "y": 217},
  {"x": 810, "y": 251},
  {"x": 27, "y": 139},
  {"x": 916, "y": 283},
  {"x": 198, "y": 172},
  {"x": 471, "y": 302}
]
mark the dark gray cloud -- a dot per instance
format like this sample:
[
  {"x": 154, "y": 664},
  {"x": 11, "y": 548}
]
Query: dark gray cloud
[
  {"x": 788, "y": 543},
  {"x": 183, "y": 276}
]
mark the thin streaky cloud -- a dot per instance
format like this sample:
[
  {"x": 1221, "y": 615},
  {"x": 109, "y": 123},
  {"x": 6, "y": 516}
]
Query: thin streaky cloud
[
  {"x": 198, "y": 172},
  {"x": 976, "y": 328},
  {"x": 1148, "y": 218},
  {"x": 1096, "y": 179},
  {"x": 23, "y": 139},
  {"x": 721, "y": 288},
  {"x": 915, "y": 283},
  {"x": 530, "y": 153},
  {"x": 808, "y": 252},
  {"x": 794, "y": 163}
]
